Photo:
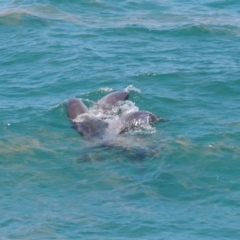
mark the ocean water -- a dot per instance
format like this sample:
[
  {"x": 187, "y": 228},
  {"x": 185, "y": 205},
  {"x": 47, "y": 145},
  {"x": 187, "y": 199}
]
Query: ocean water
[{"x": 179, "y": 179}]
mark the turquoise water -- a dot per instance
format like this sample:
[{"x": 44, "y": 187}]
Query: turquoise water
[{"x": 179, "y": 60}]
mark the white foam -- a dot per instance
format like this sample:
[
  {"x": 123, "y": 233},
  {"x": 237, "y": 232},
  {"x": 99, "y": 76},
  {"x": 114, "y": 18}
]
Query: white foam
[
  {"x": 132, "y": 88},
  {"x": 127, "y": 107},
  {"x": 104, "y": 90}
]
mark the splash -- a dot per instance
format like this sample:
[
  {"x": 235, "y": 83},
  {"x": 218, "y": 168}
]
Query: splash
[
  {"x": 105, "y": 90},
  {"x": 132, "y": 88}
]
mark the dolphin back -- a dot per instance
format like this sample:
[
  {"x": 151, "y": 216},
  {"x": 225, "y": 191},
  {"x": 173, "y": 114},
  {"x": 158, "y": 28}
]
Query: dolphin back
[
  {"x": 75, "y": 107},
  {"x": 113, "y": 98}
]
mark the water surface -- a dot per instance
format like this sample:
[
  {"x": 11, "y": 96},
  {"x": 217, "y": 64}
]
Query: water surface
[{"x": 180, "y": 60}]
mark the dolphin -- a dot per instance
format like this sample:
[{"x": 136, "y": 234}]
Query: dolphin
[
  {"x": 108, "y": 104},
  {"x": 90, "y": 126},
  {"x": 136, "y": 119},
  {"x": 86, "y": 125},
  {"x": 107, "y": 132},
  {"x": 113, "y": 98},
  {"x": 75, "y": 107},
  {"x": 132, "y": 120}
]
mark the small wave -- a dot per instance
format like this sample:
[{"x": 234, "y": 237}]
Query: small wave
[
  {"x": 132, "y": 88},
  {"x": 105, "y": 90},
  {"x": 18, "y": 16},
  {"x": 179, "y": 25},
  {"x": 14, "y": 16},
  {"x": 197, "y": 30},
  {"x": 56, "y": 105},
  {"x": 222, "y": 4}
]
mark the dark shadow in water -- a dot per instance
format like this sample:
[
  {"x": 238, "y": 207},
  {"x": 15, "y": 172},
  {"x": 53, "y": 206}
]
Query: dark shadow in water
[{"x": 123, "y": 147}]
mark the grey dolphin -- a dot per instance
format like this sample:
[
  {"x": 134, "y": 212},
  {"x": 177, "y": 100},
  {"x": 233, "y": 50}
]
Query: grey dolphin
[
  {"x": 136, "y": 119},
  {"x": 93, "y": 128},
  {"x": 88, "y": 126},
  {"x": 113, "y": 98},
  {"x": 108, "y": 104},
  {"x": 132, "y": 120},
  {"x": 75, "y": 107}
]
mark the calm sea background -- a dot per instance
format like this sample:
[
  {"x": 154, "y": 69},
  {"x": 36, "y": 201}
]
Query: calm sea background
[{"x": 180, "y": 60}]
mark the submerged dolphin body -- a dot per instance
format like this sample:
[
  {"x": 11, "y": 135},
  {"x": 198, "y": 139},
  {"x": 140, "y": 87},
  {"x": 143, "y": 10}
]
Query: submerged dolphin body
[{"x": 90, "y": 127}]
